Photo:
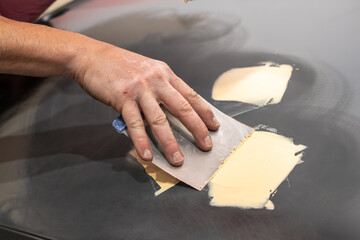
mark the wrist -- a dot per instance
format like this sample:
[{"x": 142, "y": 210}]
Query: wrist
[
  {"x": 75, "y": 56},
  {"x": 83, "y": 53}
]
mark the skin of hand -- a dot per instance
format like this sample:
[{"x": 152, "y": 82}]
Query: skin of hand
[{"x": 129, "y": 82}]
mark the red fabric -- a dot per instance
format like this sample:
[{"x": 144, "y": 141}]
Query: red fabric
[{"x": 23, "y": 10}]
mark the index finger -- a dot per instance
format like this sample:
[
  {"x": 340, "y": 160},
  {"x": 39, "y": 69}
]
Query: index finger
[{"x": 159, "y": 124}]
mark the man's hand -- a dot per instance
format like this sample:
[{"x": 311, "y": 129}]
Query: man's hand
[
  {"x": 127, "y": 81},
  {"x": 132, "y": 84}
]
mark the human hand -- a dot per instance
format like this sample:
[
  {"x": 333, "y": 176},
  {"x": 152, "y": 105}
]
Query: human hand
[{"x": 132, "y": 83}]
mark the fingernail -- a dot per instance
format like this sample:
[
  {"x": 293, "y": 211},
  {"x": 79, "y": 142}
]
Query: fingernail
[
  {"x": 178, "y": 157},
  {"x": 208, "y": 142},
  {"x": 215, "y": 122},
  {"x": 147, "y": 154}
]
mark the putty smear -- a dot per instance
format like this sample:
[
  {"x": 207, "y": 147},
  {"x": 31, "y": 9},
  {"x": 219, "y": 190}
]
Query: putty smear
[
  {"x": 259, "y": 85},
  {"x": 162, "y": 178},
  {"x": 252, "y": 172}
]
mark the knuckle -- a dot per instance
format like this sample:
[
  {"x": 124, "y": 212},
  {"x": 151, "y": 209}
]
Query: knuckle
[
  {"x": 159, "y": 120},
  {"x": 159, "y": 75},
  {"x": 184, "y": 107},
  {"x": 193, "y": 96},
  {"x": 127, "y": 106},
  {"x": 157, "y": 72},
  {"x": 136, "y": 123},
  {"x": 209, "y": 113},
  {"x": 200, "y": 128},
  {"x": 163, "y": 64},
  {"x": 141, "y": 140},
  {"x": 117, "y": 105},
  {"x": 170, "y": 142},
  {"x": 143, "y": 83},
  {"x": 163, "y": 69}
]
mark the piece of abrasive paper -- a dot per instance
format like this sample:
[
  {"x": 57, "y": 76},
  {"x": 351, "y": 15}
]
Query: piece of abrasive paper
[{"x": 199, "y": 166}]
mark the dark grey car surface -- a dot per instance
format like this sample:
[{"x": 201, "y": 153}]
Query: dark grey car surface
[{"x": 66, "y": 174}]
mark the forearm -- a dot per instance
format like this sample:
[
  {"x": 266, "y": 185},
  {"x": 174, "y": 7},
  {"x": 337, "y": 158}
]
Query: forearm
[{"x": 36, "y": 50}]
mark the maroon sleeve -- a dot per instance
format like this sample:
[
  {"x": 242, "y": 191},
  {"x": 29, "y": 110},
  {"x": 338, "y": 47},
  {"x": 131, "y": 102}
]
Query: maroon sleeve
[{"x": 23, "y": 10}]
